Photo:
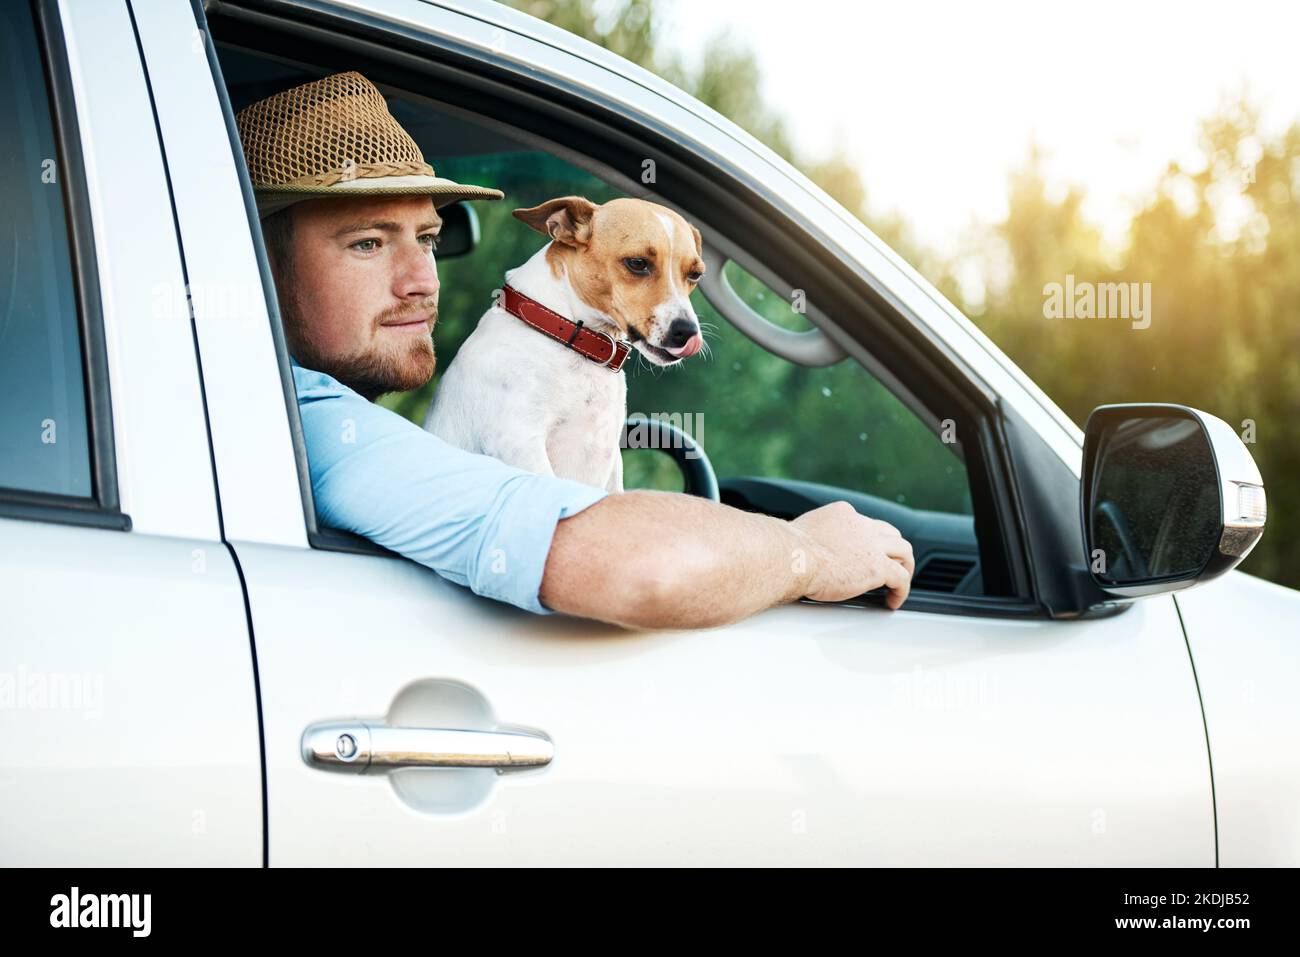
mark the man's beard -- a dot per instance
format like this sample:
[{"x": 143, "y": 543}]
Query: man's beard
[{"x": 378, "y": 370}]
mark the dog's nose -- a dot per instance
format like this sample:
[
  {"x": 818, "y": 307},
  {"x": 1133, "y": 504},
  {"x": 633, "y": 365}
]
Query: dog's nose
[{"x": 679, "y": 333}]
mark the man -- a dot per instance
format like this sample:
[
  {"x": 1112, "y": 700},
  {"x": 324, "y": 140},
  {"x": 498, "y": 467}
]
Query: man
[{"x": 344, "y": 196}]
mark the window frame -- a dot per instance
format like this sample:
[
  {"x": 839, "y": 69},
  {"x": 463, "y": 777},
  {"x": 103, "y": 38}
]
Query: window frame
[
  {"x": 102, "y": 508},
  {"x": 495, "y": 91}
]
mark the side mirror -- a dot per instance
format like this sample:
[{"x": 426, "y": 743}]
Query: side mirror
[
  {"x": 459, "y": 233},
  {"x": 1170, "y": 497}
]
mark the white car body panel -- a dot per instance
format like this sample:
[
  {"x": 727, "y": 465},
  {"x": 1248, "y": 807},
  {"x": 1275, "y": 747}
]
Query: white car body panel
[
  {"x": 1243, "y": 632},
  {"x": 809, "y": 734},
  {"x": 130, "y": 720}
]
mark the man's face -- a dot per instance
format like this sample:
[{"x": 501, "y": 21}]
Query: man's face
[{"x": 359, "y": 290}]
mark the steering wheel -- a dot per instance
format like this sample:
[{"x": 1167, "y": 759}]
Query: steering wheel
[{"x": 662, "y": 436}]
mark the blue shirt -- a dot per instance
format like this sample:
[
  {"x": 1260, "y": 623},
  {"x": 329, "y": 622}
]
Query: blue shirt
[{"x": 471, "y": 518}]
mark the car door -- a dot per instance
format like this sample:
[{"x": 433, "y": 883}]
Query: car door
[
  {"x": 807, "y": 734},
  {"x": 127, "y": 698}
]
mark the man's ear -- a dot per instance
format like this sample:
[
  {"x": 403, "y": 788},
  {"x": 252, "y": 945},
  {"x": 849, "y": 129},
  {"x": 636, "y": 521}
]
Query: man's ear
[{"x": 566, "y": 220}]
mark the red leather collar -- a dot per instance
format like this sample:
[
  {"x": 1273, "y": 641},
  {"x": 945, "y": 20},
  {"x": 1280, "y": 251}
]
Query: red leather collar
[{"x": 599, "y": 347}]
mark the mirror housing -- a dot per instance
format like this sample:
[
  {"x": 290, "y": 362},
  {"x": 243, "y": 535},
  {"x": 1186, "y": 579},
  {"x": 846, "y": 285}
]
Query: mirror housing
[
  {"x": 460, "y": 231},
  {"x": 1169, "y": 497}
]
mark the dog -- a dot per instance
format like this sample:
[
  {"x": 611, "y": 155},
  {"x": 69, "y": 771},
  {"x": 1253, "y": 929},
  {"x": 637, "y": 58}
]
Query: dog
[{"x": 539, "y": 383}]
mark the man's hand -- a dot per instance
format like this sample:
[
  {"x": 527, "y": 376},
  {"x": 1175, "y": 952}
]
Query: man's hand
[{"x": 854, "y": 554}]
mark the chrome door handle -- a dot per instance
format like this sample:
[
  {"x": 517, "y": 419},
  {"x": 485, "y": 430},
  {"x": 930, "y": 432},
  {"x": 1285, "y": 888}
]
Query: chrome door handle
[{"x": 358, "y": 747}]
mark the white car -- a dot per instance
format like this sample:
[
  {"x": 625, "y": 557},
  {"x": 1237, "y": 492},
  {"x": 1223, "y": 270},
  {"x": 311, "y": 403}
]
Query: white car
[{"x": 193, "y": 671}]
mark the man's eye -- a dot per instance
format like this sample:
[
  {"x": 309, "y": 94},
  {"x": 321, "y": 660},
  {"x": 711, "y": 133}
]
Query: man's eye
[
  {"x": 640, "y": 267},
  {"x": 432, "y": 240},
  {"x": 366, "y": 245}
]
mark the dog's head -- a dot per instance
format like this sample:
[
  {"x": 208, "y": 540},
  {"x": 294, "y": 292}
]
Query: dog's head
[{"x": 634, "y": 261}]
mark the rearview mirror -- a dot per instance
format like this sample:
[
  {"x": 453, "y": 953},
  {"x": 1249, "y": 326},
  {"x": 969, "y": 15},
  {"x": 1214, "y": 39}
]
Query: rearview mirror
[
  {"x": 459, "y": 233},
  {"x": 1170, "y": 497}
]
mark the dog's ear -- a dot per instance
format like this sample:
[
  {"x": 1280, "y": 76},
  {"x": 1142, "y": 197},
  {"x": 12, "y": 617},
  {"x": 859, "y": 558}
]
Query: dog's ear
[
  {"x": 566, "y": 220},
  {"x": 699, "y": 243}
]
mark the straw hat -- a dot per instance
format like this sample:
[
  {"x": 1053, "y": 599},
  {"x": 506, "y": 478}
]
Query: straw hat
[{"x": 335, "y": 137}]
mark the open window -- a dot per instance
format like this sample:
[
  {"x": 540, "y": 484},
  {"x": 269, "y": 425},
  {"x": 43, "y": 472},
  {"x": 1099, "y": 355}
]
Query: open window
[{"x": 810, "y": 395}]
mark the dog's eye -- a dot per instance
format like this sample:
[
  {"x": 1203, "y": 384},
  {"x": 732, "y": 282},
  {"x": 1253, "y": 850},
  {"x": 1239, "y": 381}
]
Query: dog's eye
[
  {"x": 694, "y": 276},
  {"x": 640, "y": 267}
]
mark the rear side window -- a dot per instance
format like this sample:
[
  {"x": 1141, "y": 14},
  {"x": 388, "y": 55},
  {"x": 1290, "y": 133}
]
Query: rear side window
[{"x": 43, "y": 434}]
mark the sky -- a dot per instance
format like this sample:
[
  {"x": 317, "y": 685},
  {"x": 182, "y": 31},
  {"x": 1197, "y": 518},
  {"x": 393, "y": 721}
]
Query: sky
[{"x": 937, "y": 102}]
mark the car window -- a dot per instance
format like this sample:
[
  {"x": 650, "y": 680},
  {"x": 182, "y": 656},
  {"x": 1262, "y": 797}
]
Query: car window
[
  {"x": 783, "y": 438},
  {"x": 43, "y": 433}
]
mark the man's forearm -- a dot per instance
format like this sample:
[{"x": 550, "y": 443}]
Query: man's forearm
[{"x": 662, "y": 560}]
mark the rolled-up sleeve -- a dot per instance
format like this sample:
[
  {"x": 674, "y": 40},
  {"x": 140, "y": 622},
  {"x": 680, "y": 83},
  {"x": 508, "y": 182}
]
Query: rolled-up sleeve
[{"x": 471, "y": 518}]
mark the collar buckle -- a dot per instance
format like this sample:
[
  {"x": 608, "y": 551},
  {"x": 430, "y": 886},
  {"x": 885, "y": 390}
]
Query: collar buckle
[{"x": 613, "y": 346}]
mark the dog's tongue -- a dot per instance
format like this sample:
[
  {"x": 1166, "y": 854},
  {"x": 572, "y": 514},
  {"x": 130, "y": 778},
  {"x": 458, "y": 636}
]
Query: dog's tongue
[{"x": 692, "y": 346}]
